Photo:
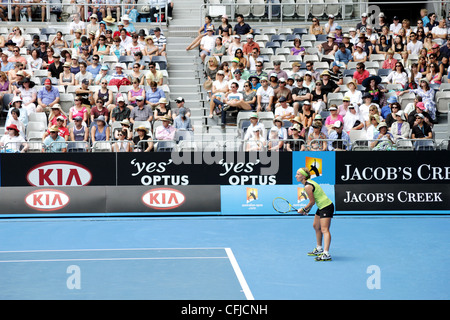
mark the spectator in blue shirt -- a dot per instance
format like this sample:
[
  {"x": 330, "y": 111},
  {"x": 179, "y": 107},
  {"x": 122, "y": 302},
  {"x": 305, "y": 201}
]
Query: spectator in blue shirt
[
  {"x": 342, "y": 56},
  {"x": 5, "y": 64},
  {"x": 387, "y": 109},
  {"x": 47, "y": 97},
  {"x": 153, "y": 95}
]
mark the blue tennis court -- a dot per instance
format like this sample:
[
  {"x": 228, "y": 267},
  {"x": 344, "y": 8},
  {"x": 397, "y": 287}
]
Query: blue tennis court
[{"x": 231, "y": 258}]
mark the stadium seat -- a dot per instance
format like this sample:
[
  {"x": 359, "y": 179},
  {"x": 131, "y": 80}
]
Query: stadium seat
[{"x": 243, "y": 7}]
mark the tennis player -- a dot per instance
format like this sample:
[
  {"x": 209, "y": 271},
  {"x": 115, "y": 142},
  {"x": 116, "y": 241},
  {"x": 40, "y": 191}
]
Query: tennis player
[{"x": 323, "y": 216}]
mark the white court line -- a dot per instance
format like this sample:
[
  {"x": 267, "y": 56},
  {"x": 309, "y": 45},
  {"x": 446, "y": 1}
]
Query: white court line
[
  {"x": 237, "y": 270},
  {"x": 112, "y": 259},
  {"x": 239, "y": 274}
]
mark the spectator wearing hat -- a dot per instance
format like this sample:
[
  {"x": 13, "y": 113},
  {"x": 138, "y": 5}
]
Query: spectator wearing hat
[
  {"x": 102, "y": 75},
  {"x": 13, "y": 118},
  {"x": 79, "y": 134},
  {"x": 5, "y": 64},
  {"x": 283, "y": 109},
  {"x": 182, "y": 120},
  {"x": 343, "y": 142},
  {"x": 56, "y": 111},
  {"x": 278, "y": 71},
  {"x": 296, "y": 141},
  {"x": 400, "y": 128},
  {"x": 383, "y": 139},
  {"x": 250, "y": 45},
  {"x": 419, "y": 109},
  {"x": 22, "y": 112},
  {"x": 166, "y": 131},
  {"x": 331, "y": 25},
  {"x": 282, "y": 91},
  {"x": 60, "y": 123},
  {"x": 317, "y": 139},
  {"x": 422, "y": 132},
  {"x": 162, "y": 110},
  {"x": 121, "y": 111},
  {"x": 360, "y": 55},
  {"x": 142, "y": 140},
  {"x": 258, "y": 141},
  {"x": 353, "y": 119},
  {"x": 361, "y": 27},
  {"x": 333, "y": 117},
  {"x": 141, "y": 112},
  {"x": 254, "y": 122},
  {"x": 353, "y": 93},
  {"x": 53, "y": 142},
  {"x": 342, "y": 56},
  {"x": 428, "y": 96},
  {"x": 300, "y": 94},
  {"x": 264, "y": 96},
  {"x": 330, "y": 46},
  {"x": 85, "y": 94},
  {"x": 395, "y": 26},
  {"x": 277, "y": 135},
  {"x": 100, "y": 131},
  {"x": 28, "y": 94},
  {"x": 180, "y": 104},
  {"x": 13, "y": 140},
  {"x": 385, "y": 110},
  {"x": 218, "y": 90},
  {"x": 47, "y": 97},
  {"x": 207, "y": 43}
]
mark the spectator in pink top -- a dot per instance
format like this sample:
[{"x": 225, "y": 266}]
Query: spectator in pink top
[{"x": 333, "y": 117}]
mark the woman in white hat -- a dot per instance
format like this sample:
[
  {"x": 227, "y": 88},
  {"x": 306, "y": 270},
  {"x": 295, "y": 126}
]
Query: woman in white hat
[
  {"x": 400, "y": 129},
  {"x": 162, "y": 110}
]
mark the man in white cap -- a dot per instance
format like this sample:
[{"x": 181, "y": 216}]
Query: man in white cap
[
  {"x": 207, "y": 43},
  {"x": 264, "y": 96},
  {"x": 339, "y": 134},
  {"x": 362, "y": 25},
  {"x": 250, "y": 45}
]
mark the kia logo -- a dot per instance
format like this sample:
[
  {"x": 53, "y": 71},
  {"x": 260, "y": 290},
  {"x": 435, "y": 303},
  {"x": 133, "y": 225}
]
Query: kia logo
[
  {"x": 47, "y": 200},
  {"x": 163, "y": 198},
  {"x": 59, "y": 174}
]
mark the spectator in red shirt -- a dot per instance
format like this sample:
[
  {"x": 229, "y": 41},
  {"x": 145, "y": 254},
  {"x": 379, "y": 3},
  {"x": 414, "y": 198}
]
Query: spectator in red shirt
[
  {"x": 361, "y": 73},
  {"x": 250, "y": 45}
]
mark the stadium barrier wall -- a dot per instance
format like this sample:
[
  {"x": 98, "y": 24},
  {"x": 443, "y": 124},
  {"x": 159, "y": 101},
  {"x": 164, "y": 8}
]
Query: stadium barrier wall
[
  {"x": 109, "y": 201},
  {"x": 233, "y": 184}
]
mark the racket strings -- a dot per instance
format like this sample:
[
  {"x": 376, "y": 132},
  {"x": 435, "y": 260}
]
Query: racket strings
[{"x": 281, "y": 205}]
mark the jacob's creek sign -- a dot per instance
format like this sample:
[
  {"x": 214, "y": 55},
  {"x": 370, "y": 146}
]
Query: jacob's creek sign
[{"x": 393, "y": 167}]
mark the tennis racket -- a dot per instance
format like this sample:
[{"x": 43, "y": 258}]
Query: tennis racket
[{"x": 281, "y": 205}]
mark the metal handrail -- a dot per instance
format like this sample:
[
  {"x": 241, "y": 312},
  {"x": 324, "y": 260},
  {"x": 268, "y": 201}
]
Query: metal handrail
[
  {"x": 48, "y": 6},
  {"x": 362, "y": 6}
]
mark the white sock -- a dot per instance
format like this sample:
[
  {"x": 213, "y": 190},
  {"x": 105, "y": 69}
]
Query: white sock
[
  {"x": 325, "y": 252},
  {"x": 319, "y": 248}
]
